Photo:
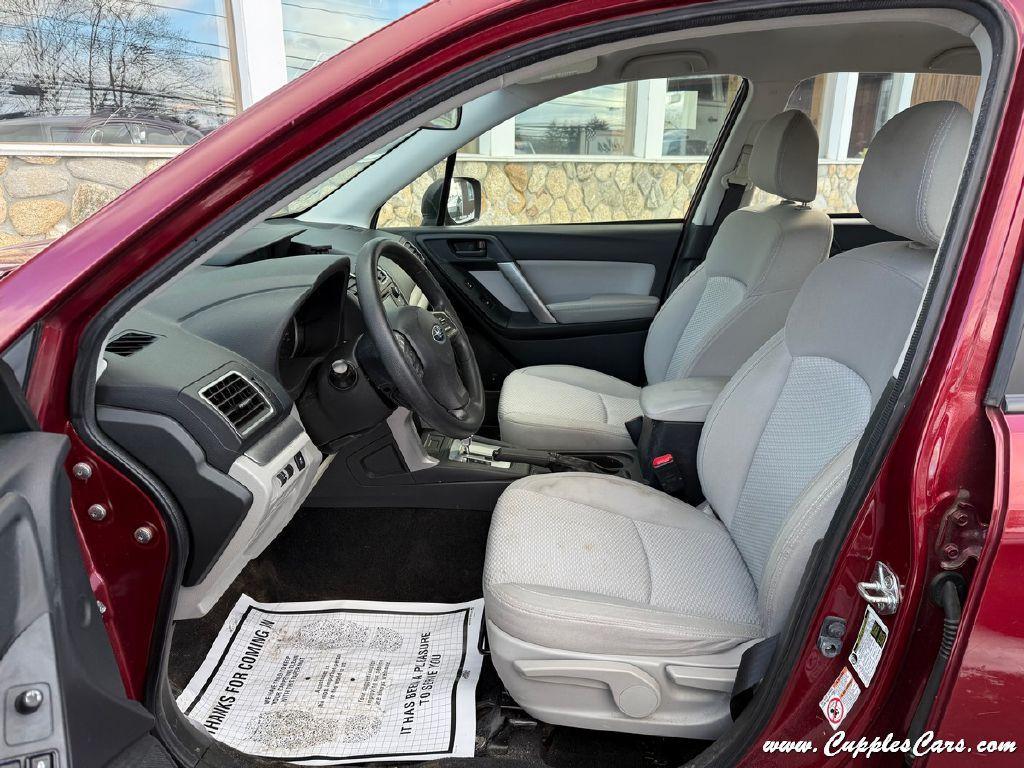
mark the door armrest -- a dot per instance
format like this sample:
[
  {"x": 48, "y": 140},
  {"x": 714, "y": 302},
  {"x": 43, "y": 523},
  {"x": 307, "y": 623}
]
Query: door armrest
[{"x": 605, "y": 308}]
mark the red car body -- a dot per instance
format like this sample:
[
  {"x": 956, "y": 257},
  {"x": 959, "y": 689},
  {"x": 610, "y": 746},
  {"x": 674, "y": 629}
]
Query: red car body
[{"x": 949, "y": 439}]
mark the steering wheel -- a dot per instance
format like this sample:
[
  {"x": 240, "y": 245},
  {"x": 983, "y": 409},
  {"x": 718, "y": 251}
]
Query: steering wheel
[{"x": 425, "y": 352}]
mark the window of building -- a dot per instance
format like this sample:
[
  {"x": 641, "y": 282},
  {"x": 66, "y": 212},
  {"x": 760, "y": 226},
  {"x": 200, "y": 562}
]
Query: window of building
[
  {"x": 597, "y": 121},
  {"x": 695, "y": 109},
  {"x": 114, "y": 71},
  {"x": 315, "y": 30},
  {"x": 849, "y": 108}
]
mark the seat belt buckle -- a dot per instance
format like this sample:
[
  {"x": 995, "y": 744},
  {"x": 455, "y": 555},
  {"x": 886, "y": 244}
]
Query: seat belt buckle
[{"x": 667, "y": 473}]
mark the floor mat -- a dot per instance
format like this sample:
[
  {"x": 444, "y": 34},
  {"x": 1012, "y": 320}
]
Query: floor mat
[
  {"x": 332, "y": 682},
  {"x": 423, "y": 555}
]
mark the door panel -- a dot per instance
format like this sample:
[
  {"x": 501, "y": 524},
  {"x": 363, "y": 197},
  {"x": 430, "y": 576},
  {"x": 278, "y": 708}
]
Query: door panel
[
  {"x": 61, "y": 691},
  {"x": 571, "y": 294}
]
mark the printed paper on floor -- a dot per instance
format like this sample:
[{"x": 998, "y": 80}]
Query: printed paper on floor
[{"x": 327, "y": 683}]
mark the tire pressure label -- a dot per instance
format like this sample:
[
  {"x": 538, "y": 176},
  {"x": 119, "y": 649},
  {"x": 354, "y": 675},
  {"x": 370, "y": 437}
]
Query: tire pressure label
[
  {"x": 840, "y": 698},
  {"x": 867, "y": 649}
]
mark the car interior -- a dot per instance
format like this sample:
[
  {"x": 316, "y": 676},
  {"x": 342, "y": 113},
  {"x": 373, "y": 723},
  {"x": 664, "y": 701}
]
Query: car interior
[{"x": 626, "y": 436}]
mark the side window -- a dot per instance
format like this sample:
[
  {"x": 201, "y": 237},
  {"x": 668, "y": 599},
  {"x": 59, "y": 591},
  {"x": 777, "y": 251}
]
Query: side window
[
  {"x": 620, "y": 152},
  {"x": 848, "y": 108}
]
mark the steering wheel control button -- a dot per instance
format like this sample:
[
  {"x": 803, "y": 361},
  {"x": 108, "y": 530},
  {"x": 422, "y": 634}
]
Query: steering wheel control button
[
  {"x": 282, "y": 477},
  {"x": 29, "y": 701},
  {"x": 343, "y": 375},
  {"x": 444, "y": 322}
]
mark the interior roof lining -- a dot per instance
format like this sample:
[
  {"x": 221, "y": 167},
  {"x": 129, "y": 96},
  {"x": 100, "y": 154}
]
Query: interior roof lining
[{"x": 727, "y": 46}]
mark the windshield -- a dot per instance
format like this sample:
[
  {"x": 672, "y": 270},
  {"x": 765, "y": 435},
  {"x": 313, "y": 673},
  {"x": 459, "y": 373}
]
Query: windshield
[{"x": 327, "y": 188}]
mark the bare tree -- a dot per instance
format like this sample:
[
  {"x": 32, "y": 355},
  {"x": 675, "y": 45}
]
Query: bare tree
[{"x": 102, "y": 56}]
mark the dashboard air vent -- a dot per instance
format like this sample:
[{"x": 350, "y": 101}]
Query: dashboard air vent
[
  {"x": 130, "y": 342},
  {"x": 238, "y": 400}
]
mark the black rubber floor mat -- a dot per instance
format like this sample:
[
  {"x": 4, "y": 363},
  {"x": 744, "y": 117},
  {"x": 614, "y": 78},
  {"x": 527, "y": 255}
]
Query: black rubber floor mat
[{"x": 426, "y": 555}]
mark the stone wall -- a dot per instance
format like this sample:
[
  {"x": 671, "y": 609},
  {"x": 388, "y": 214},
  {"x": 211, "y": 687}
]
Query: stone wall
[
  {"x": 583, "y": 191},
  {"x": 43, "y": 197}
]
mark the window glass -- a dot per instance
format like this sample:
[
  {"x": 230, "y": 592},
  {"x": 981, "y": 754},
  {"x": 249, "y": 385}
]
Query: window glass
[
  {"x": 622, "y": 152},
  {"x": 695, "y": 108},
  {"x": 68, "y": 62},
  {"x": 848, "y": 109},
  {"x": 596, "y": 121},
  {"x": 315, "y": 30}
]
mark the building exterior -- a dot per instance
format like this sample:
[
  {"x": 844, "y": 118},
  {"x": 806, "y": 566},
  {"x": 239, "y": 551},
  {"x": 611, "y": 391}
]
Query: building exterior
[{"x": 100, "y": 93}]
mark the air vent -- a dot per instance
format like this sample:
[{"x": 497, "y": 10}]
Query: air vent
[
  {"x": 130, "y": 342},
  {"x": 238, "y": 400}
]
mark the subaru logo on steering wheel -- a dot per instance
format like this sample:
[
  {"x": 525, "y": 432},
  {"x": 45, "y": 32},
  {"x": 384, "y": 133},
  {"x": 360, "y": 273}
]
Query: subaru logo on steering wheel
[{"x": 437, "y": 332}]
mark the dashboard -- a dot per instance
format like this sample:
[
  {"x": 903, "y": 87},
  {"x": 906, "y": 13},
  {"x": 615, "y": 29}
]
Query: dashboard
[{"x": 206, "y": 381}]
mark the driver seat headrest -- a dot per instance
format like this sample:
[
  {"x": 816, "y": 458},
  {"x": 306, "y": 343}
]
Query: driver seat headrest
[{"x": 784, "y": 160}]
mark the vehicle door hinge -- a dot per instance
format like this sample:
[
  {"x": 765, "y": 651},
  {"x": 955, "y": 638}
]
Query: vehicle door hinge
[{"x": 961, "y": 533}]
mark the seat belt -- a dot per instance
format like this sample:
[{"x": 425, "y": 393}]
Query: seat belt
[
  {"x": 736, "y": 182},
  {"x": 753, "y": 665}
]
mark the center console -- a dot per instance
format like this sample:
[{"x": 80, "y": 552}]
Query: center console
[
  {"x": 397, "y": 465},
  {"x": 480, "y": 452}
]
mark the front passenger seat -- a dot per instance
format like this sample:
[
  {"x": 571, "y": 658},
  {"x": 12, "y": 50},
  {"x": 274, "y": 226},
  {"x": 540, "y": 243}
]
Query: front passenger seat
[
  {"x": 612, "y": 605},
  {"x": 723, "y": 311}
]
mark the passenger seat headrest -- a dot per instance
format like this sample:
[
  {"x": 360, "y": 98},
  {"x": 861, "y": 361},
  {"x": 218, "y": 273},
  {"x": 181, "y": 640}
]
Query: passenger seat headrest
[
  {"x": 784, "y": 160},
  {"x": 912, "y": 168}
]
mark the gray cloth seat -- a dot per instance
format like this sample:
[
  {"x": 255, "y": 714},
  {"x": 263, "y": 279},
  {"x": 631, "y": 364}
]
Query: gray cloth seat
[
  {"x": 718, "y": 316},
  {"x": 596, "y": 585}
]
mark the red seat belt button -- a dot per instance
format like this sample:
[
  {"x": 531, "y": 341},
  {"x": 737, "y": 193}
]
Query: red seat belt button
[{"x": 661, "y": 461}]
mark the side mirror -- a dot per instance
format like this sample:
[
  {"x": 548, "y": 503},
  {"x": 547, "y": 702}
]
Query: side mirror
[{"x": 463, "y": 206}]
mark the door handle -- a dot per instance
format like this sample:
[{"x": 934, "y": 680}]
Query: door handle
[{"x": 469, "y": 249}]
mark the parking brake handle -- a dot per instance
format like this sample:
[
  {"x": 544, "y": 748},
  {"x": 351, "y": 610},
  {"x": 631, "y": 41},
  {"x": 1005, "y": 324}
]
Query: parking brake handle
[{"x": 557, "y": 462}]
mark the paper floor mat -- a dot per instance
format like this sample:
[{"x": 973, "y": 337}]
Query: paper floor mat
[{"x": 325, "y": 683}]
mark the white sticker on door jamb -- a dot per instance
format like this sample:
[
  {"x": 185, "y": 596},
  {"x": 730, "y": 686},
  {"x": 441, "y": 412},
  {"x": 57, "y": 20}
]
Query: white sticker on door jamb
[
  {"x": 867, "y": 648},
  {"x": 839, "y": 700}
]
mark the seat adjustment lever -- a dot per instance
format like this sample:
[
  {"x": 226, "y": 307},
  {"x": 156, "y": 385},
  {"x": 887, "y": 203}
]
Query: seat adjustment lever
[{"x": 635, "y": 692}]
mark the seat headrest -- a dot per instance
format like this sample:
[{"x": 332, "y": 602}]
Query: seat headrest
[
  {"x": 912, "y": 168},
  {"x": 784, "y": 160}
]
